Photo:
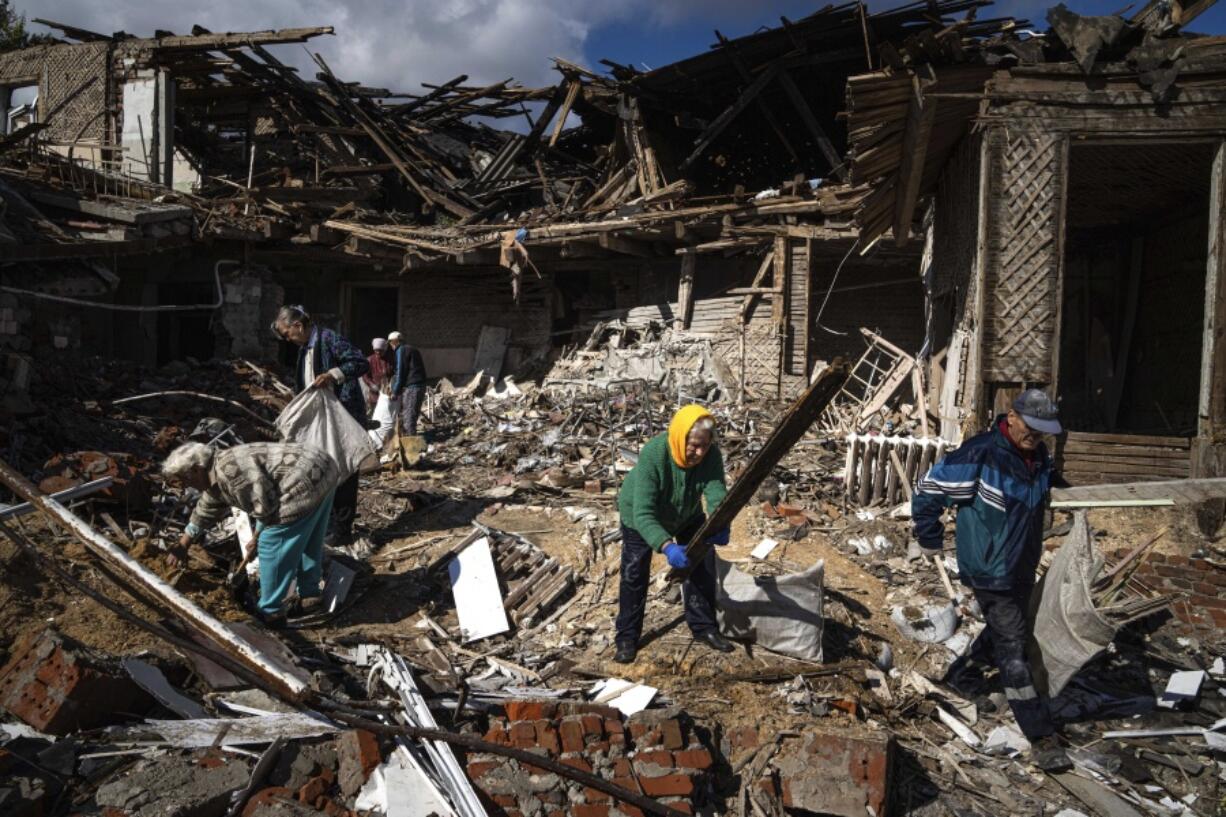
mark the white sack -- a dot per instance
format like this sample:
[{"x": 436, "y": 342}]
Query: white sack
[
  {"x": 1068, "y": 631},
  {"x": 316, "y": 418},
  {"x": 384, "y": 414},
  {"x": 779, "y": 613}
]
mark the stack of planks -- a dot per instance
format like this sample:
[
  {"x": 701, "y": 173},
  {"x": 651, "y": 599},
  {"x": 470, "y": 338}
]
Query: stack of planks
[{"x": 1088, "y": 459}]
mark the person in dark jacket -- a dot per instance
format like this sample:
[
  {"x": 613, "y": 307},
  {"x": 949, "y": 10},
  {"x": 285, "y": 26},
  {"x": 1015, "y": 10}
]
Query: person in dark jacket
[
  {"x": 408, "y": 382},
  {"x": 660, "y": 504},
  {"x": 327, "y": 359},
  {"x": 999, "y": 481}
]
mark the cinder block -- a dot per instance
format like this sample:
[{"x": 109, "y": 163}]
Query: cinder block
[{"x": 52, "y": 684}]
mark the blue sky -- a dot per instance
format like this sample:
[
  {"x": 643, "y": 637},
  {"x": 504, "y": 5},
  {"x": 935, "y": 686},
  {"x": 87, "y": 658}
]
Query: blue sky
[
  {"x": 400, "y": 44},
  {"x": 654, "y": 43}
]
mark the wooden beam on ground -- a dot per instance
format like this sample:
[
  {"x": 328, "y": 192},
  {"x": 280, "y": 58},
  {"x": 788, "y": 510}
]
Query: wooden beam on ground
[
  {"x": 791, "y": 427},
  {"x": 837, "y": 165},
  {"x": 685, "y": 291},
  {"x": 921, "y": 113}
]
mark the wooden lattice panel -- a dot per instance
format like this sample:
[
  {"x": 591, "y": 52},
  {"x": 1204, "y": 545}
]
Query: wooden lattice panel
[
  {"x": 761, "y": 361},
  {"x": 1026, "y": 194}
]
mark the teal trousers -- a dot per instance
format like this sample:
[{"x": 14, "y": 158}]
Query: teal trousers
[{"x": 293, "y": 551}]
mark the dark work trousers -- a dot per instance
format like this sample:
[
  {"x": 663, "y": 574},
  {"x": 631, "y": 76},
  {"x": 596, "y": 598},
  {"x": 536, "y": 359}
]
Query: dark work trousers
[
  {"x": 345, "y": 510},
  {"x": 698, "y": 590},
  {"x": 1004, "y": 640},
  {"x": 410, "y": 408}
]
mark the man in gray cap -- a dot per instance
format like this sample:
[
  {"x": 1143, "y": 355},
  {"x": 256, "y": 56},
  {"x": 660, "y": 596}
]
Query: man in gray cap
[{"x": 999, "y": 481}]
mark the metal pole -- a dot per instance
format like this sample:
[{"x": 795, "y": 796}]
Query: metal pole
[{"x": 115, "y": 558}]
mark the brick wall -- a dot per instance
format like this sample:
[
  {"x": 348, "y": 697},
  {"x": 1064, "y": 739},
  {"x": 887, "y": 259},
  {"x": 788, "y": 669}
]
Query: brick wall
[
  {"x": 72, "y": 82},
  {"x": 655, "y": 752},
  {"x": 1197, "y": 588}
]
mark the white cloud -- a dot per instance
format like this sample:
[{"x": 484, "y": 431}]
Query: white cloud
[{"x": 397, "y": 43}]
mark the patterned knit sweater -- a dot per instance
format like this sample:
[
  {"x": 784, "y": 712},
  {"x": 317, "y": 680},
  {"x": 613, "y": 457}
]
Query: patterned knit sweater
[{"x": 277, "y": 483}]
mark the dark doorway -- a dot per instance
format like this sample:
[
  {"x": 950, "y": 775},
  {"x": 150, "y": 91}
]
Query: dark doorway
[
  {"x": 1137, "y": 243},
  {"x": 185, "y": 334},
  {"x": 373, "y": 312}
]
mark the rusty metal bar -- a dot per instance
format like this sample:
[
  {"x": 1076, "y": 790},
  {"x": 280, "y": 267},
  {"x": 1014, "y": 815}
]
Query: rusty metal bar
[{"x": 116, "y": 559}]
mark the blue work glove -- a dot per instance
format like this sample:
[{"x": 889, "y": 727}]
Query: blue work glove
[
  {"x": 720, "y": 537},
  {"x": 676, "y": 556}
]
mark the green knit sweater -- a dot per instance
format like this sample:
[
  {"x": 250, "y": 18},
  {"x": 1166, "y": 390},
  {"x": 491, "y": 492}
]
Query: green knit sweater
[{"x": 658, "y": 498}]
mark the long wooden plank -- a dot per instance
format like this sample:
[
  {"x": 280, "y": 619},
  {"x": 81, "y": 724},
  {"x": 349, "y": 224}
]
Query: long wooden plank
[
  {"x": 1125, "y": 452},
  {"x": 1140, "y": 468},
  {"x": 1129, "y": 439},
  {"x": 792, "y": 426},
  {"x": 1179, "y": 490}
]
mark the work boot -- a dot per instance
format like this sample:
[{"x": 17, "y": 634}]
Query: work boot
[
  {"x": 1047, "y": 753},
  {"x": 625, "y": 654},
  {"x": 715, "y": 641},
  {"x": 309, "y": 606},
  {"x": 273, "y": 621}
]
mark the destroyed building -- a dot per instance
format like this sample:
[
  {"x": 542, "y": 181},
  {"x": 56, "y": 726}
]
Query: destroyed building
[{"x": 855, "y": 236}]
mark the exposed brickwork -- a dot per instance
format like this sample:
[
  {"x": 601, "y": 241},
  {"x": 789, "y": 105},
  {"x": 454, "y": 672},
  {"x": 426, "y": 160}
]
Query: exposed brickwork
[
  {"x": 51, "y": 683},
  {"x": 653, "y": 753},
  {"x": 837, "y": 774},
  {"x": 1197, "y": 588}
]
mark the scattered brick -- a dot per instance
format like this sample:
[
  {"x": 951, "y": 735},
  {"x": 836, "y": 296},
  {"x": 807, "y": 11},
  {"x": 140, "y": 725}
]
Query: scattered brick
[
  {"x": 312, "y": 790},
  {"x": 505, "y": 800},
  {"x": 670, "y": 784},
  {"x": 496, "y": 734},
  {"x": 358, "y": 754},
  {"x": 592, "y": 725},
  {"x": 670, "y": 734},
  {"x": 595, "y": 795},
  {"x": 693, "y": 759},
  {"x": 577, "y": 762},
  {"x": 530, "y": 710},
  {"x": 52, "y": 684},
  {"x": 259, "y": 801},
  {"x": 658, "y": 757},
  {"x": 614, "y": 726},
  {"x": 480, "y": 768},
  {"x": 571, "y": 734},
  {"x": 621, "y": 768},
  {"x": 523, "y": 734},
  {"x": 681, "y": 806},
  {"x": 589, "y": 810},
  {"x": 547, "y": 738},
  {"x": 837, "y": 774}
]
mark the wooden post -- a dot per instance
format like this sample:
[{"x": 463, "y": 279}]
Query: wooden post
[
  {"x": 685, "y": 291},
  {"x": 791, "y": 427},
  {"x": 1211, "y": 419}
]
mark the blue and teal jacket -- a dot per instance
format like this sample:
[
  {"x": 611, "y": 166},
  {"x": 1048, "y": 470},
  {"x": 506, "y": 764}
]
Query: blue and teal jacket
[{"x": 1001, "y": 503}]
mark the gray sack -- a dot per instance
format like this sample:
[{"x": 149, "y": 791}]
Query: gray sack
[
  {"x": 1068, "y": 631},
  {"x": 780, "y": 613}
]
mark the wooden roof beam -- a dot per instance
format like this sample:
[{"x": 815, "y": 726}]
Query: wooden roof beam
[{"x": 921, "y": 113}]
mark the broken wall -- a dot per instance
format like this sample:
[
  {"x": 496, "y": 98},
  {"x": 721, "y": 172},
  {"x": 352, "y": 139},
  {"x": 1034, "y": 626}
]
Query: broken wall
[{"x": 73, "y": 87}]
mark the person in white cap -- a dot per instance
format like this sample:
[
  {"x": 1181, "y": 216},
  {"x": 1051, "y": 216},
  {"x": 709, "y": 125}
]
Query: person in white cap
[
  {"x": 377, "y": 380},
  {"x": 408, "y": 382},
  {"x": 1000, "y": 482}
]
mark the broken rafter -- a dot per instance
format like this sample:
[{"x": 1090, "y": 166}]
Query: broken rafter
[
  {"x": 767, "y": 114},
  {"x": 210, "y": 41},
  {"x": 722, "y": 121}
]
